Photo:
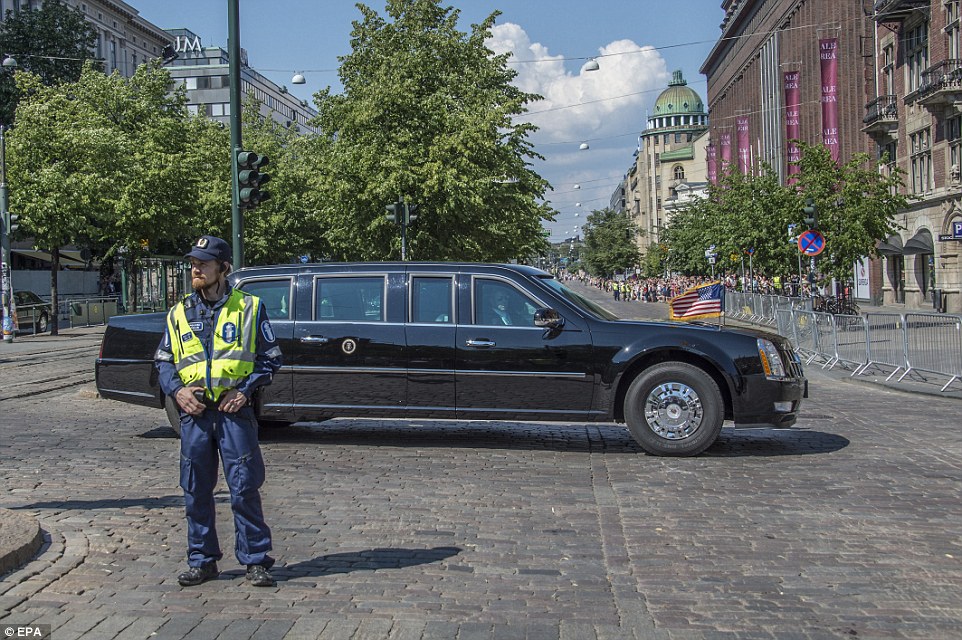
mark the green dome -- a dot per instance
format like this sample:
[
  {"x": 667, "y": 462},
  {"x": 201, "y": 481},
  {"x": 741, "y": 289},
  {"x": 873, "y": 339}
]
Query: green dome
[{"x": 678, "y": 99}]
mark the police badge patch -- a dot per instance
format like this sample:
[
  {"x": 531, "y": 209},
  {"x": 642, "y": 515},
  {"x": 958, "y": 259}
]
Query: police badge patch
[
  {"x": 229, "y": 334},
  {"x": 267, "y": 331},
  {"x": 187, "y": 337},
  {"x": 202, "y": 243},
  {"x": 196, "y": 326}
]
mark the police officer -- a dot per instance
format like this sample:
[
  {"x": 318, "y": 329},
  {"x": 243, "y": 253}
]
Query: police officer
[{"x": 217, "y": 349}]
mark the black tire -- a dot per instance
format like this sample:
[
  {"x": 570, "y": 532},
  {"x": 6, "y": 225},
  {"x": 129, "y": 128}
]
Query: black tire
[
  {"x": 674, "y": 409},
  {"x": 43, "y": 323},
  {"x": 173, "y": 414}
]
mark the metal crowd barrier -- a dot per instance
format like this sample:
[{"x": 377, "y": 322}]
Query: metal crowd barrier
[{"x": 910, "y": 344}]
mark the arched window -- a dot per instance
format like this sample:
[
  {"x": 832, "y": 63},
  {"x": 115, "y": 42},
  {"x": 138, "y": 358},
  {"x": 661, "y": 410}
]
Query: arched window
[{"x": 679, "y": 172}]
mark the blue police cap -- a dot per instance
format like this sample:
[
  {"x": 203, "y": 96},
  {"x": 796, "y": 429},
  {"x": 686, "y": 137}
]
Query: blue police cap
[{"x": 210, "y": 248}]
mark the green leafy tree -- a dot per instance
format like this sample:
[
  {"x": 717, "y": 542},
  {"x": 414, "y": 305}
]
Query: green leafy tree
[
  {"x": 52, "y": 42},
  {"x": 427, "y": 114},
  {"x": 64, "y": 168},
  {"x": 856, "y": 204},
  {"x": 284, "y": 226},
  {"x": 110, "y": 163},
  {"x": 609, "y": 244}
]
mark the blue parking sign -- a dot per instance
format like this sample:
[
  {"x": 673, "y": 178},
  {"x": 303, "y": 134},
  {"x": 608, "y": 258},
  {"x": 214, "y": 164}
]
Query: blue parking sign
[{"x": 957, "y": 228}]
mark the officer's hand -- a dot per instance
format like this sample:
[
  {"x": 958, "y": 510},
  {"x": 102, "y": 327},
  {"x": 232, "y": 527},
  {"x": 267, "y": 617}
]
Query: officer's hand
[
  {"x": 232, "y": 401},
  {"x": 185, "y": 398}
]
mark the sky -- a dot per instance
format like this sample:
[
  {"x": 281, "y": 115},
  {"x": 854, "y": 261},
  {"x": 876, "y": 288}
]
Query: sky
[{"x": 637, "y": 43}]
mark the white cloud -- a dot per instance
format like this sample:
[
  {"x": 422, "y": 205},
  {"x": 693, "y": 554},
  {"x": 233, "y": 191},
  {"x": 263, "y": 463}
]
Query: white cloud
[
  {"x": 627, "y": 69},
  {"x": 610, "y": 123}
]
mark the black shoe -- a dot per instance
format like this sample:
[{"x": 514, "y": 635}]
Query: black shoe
[
  {"x": 259, "y": 576},
  {"x": 197, "y": 575}
]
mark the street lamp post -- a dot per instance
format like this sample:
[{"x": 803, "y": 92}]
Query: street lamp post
[
  {"x": 233, "y": 53},
  {"x": 5, "y": 283}
]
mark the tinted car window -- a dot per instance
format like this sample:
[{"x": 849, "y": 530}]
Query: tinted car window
[
  {"x": 275, "y": 294},
  {"x": 431, "y": 300},
  {"x": 27, "y": 297},
  {"x": 349, "y": 299},
  {"x": 498, "y": 303}
]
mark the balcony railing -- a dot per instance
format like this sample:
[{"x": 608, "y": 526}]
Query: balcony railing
[
  {"x": 940, "y": 82},
  {"x": 882, "y": 108}
]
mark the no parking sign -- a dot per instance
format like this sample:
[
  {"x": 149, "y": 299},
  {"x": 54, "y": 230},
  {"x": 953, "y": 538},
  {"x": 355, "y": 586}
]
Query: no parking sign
[{"x": 811, "y": 242}]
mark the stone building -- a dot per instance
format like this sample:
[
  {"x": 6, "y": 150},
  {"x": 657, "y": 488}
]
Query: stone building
[
  {"x": 124, "y": 39},
  {"x": 915, "y": 116},
  {"x": 810, "y": 59},
  {"x": 670, "y": 159}
]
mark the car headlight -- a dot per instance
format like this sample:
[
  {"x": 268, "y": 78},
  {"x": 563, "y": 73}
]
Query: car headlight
[{"x": 771, "y": 360}]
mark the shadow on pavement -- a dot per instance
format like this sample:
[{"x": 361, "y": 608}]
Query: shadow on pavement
[
  {"x": 762, "y": 443},
  {"x": 163, "y": 502},
  {"x": 367, "y": 560}
]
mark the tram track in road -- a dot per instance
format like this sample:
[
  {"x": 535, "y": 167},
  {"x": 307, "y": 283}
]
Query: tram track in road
[{"x": 50, "y": 385}]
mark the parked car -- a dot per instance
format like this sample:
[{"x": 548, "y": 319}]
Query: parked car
[
  {"x": 482, "y": 341},
  {"x": 32, "y": 311}
]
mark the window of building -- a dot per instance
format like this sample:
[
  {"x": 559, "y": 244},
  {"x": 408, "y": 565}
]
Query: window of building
[
  {"x": 667, "y": 137},
  {"x": 952, "y": 29},
  {"x": 677, "y": 138},
  {"x": 888, "y": 69},
  {"x": 916, "y": 45},
  {"x": 953, "y": 133},
  {"x": 113, "y": 55},
  {"x": 679, "y": 172},
  {"x": 921, "y": 161}
]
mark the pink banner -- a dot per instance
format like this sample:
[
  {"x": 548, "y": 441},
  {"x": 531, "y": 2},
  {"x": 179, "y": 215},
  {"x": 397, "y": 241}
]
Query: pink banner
[
  {"x": 793, "y": 101},
  {"x": 712, "y": 164},
  {"x": 725, "y": 138},
  {"x": 744, "y": 143},
  {"x": 828, "y": 56}
]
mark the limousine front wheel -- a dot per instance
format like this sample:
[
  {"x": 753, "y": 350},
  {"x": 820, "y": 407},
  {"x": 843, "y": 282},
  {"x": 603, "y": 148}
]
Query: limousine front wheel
[{"x": 674, "y": 409}]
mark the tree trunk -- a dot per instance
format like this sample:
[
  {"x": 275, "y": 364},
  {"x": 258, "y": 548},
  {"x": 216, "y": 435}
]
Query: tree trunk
[{"x": 54, "y": 273}]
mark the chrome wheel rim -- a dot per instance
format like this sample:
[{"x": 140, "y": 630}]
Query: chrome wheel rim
[{"x": 674, "y": 411}]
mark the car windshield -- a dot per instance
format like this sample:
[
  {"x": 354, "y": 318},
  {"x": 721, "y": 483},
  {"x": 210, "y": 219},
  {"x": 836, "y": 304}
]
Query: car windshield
[
  {"x": 27, "y": 297},
  {"x": 578, "y": 300}
]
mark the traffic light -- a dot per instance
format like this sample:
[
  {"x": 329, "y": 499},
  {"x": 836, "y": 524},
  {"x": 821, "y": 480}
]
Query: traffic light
[
  {"x": 410, "y": 213},
  {"x": 811, "y": 213},
  {"x": 395, "y": 212},
  {"x": 250, "y": 178},
  {"x": 10, "y": 222}
]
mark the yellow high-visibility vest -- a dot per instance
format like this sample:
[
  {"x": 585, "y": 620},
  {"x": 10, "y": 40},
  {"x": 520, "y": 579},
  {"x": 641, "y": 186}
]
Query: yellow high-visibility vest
[{"x": 235, "y": 341}]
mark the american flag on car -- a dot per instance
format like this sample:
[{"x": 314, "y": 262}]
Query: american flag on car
[{"x": 704, "y": 301}]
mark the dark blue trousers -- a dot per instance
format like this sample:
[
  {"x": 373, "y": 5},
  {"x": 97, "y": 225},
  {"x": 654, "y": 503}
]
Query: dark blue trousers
[{"x": 234, "y": 437}]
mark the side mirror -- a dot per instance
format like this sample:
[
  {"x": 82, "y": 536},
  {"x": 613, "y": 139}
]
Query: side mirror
[{"x": 548, "y": 319}]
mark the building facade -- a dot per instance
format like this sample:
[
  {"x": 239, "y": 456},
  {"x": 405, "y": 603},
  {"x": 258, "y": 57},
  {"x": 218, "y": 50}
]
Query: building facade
[
  {"x": 124, "y": 39},
  {"x": 670, "y": 161},
  {"x": 915, "y": 117},
  {"x": 204, "y": 72},
  {"x": 792, "y": 69}
]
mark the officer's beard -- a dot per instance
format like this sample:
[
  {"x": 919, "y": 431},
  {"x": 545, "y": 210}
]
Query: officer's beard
[{"x": 212, "y": 291}]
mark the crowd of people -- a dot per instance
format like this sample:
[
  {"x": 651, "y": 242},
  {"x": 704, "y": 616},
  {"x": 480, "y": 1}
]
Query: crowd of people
[{"x": 638, "y": 289}]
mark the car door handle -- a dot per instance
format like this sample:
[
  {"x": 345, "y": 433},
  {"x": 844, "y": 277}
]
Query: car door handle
[
  {"x": 483, "y": 344},
  {"x": 315, "y": 339}
]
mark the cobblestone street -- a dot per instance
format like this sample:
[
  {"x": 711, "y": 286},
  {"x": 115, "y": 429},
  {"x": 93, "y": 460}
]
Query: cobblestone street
[{"x": 847, "y": 527}]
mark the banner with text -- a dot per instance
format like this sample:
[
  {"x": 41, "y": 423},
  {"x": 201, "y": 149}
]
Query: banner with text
[
  {"x": 726, "y": 151},
  {"x": 744, "y": 144},
  {"x": 828, "y": 57},
  {"x": 712, "y": 166},
  {"x": 793, "y": 103}
]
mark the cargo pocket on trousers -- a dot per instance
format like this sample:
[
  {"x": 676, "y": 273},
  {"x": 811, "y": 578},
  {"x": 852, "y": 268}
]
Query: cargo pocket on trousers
[
  {"x": 188, "y": 477},
  {"x": 248, "y": 472}
]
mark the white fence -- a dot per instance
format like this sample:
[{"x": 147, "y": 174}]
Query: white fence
[{"x": 903, "y": 345}]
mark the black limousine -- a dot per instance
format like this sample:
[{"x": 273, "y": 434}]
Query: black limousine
[{"x": 482, "y": 342}]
